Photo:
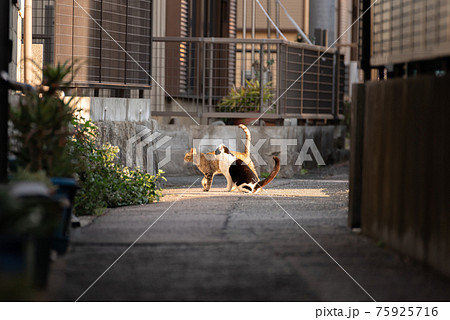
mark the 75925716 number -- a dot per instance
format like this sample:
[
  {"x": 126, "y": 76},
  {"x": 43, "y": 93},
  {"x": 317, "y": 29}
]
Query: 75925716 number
[{"x": 407, "y": 311}]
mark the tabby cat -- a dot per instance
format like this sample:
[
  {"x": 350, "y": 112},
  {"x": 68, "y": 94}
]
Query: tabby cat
[{"x": 210, "y": 167}]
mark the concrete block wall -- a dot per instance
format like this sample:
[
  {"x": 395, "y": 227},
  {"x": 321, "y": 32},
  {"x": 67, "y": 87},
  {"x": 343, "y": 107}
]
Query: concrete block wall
[{"x": 115, "y": 109}]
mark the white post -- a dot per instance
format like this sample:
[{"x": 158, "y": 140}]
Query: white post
[{"x": 28, "y": 42}]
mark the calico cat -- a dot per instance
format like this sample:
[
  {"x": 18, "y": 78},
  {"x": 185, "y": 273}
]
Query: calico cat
[
  {"x": 238, "y": 173},
  {"x": 210, "y": 167}
]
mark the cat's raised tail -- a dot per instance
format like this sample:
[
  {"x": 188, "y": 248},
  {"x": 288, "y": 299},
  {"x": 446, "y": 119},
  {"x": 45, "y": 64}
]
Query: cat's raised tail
[
  {"x": 248, "y": 140},
  {"x": 272, "y": 175}
]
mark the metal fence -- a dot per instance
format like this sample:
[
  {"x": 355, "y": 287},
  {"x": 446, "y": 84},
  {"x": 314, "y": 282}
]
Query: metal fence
[
  {"x": 410, "y": 30},
  {"x": 292, "y": 80}
]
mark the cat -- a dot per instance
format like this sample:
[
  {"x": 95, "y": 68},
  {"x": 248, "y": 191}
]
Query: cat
[
  {"x": 210, "y": 167},
  {"x": 238, "y": 173}
]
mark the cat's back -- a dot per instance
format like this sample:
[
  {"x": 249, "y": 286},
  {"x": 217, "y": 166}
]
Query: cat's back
[
  {"x": 209, "y": 163},
  {"x": 241, "y": 173},
  {"x": 243, "y": 157}
]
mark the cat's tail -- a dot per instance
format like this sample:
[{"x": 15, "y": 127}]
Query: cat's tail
[
  {"x": 248, "y": 139},
  {"x": 272, "y": 175}
]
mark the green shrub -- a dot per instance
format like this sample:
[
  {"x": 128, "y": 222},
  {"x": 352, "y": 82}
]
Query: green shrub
[
  {"x": 246, "y": 99},
  {"x": 104, "y": 182}
]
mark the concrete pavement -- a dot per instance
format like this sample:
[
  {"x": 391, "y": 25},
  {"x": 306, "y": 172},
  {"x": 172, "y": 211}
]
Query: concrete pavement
[{"x": 219, "y": 246}]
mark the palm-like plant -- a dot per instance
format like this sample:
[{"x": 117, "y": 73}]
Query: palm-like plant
[
  {"x": 246, "y": 99},
  {"x": 42, "y": 124}
]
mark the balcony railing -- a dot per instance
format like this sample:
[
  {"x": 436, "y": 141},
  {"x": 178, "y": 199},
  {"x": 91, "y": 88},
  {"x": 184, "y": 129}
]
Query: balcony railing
[{"x": 294, "y": 80}]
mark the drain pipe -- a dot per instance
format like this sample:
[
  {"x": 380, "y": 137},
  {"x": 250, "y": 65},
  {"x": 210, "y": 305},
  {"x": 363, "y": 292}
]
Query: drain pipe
[{"x": 28, "y": 42}]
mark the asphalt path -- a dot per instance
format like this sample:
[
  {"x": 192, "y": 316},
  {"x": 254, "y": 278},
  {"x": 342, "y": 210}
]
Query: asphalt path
[{"x": 288, "y": 243}]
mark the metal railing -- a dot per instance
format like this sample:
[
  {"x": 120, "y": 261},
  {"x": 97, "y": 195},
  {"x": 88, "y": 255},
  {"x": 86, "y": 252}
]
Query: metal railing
[{"x": 294, "y": 80}]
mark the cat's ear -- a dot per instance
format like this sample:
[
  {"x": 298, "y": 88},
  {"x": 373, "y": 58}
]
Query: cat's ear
[{"x": 193, "y": 151}]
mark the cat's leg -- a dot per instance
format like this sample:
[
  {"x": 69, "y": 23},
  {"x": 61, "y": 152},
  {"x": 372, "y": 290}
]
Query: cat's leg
[
  {"x": 209, "y": 179},
  {"x": 230, "y": 183},
  {"x": 205, "y": 183}
]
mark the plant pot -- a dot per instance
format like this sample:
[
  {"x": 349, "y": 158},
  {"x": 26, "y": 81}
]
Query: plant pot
[
  {"x": 249, "y": 122},
  {"x": 244, "y": 121},
  {"x": 14, "y": 270},
  {"x": 66, "y": 190}
]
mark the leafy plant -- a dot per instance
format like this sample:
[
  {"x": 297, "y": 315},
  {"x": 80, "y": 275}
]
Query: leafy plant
[
  {"x": 104, "y": 182},
  {"x": 42, "y": 124},
  {"x": 246, "y": 99}
]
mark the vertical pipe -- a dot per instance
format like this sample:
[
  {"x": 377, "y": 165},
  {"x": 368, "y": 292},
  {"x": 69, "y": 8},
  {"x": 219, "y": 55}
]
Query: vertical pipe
[
  {"x": 306, "y": 17},
  {"x": 253, "y": 18},
  {"x": 28, "y": 41},
  {"x": 244, "y": 19}
]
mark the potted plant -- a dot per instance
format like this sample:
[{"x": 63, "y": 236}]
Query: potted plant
[
  {"x": 42, "y": 128},
  {"x": 246, "y": 99}
]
